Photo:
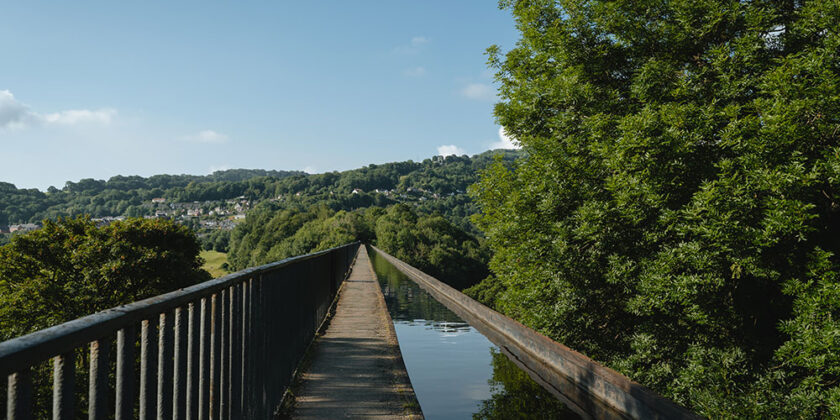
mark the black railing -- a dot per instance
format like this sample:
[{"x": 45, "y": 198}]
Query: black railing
[{"x": 223, "y": 349}]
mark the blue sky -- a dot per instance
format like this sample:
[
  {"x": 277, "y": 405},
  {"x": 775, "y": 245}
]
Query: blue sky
[{"x": 96, "y": 89}]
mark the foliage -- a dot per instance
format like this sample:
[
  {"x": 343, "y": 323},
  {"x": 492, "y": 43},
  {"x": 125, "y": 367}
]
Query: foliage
[
  {"x": 437, "y": 184},
  {"x": 431, "y": 243},
  {"x": 217, "y": 240},
  {"x": 126, "y": 195},
  {"x": 71, "y": 268},
  {"x": 676, "y": 214},
  {"x": 516, "y": 396}
]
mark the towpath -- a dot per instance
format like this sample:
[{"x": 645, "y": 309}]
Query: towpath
[{"x": 356, "y": 369}]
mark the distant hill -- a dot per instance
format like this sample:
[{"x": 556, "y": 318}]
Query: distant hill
[{"x": 434, "y": 185}]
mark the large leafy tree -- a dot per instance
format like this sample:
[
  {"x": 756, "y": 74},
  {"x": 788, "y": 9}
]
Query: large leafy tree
[
  {"x": 676, "y": 215},
  {"x": 71, "y": 268}
]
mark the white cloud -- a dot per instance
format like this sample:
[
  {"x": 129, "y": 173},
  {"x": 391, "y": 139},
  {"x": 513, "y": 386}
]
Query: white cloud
[
  {"x": 207, "y": 136},
  {"x": 505, "y": 141},
  {"x": 413, "y": 47},
  {"x": 450, "y": 149},
  {"x": 79, "y": 116},
  {"x": 415, "y": 72},
  {"x": 479, "y": 92},
  {"x": 13, "y": 114},
  {"x": 17, "y": 115}
]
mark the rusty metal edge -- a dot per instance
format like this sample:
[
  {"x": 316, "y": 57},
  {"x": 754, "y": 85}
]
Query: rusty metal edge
[
  {"x": 610, "y": 387},
  {"x": 41, "y": 345}
]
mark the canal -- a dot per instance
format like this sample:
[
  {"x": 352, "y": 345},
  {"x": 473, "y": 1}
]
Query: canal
[{"x": 456, "y": 372}]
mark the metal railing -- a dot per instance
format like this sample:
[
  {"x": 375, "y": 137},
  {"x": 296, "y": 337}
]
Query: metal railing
[{"x": 223, "y": 349}]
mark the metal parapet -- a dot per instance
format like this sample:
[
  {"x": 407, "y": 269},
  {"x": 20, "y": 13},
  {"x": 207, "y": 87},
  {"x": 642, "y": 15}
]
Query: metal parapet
[{"x": 225, "y": 348}]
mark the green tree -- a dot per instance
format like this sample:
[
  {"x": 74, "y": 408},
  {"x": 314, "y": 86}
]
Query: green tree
[
  {"x": 432, "y": 244},
  {"x": 676, "y": 215},
  {"x": 71, "y": 268}
]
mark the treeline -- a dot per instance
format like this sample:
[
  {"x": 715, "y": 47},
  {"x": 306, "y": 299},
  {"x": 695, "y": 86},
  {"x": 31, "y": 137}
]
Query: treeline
[
  {"x": 437, "y": 184},
  {"x": 429, "y": 242},
  {"x": 125, "y": 195}
]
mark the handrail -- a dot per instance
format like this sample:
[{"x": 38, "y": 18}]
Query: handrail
[
  {"x": 52, "y": 341},
  {"x": 208, "y": 336},
  {"x": 557, "y": 366}
]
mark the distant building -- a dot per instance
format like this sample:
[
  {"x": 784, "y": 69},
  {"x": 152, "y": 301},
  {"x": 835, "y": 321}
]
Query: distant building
[
  {"x": 158, "y": 200},
  {"x": 102, "y": 221},
  {"x": 4, "y": 229},
  {"x": 25, "y": 227}
]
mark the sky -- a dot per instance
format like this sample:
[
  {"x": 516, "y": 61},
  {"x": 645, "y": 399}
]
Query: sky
[{"x": 97, "y": 89}]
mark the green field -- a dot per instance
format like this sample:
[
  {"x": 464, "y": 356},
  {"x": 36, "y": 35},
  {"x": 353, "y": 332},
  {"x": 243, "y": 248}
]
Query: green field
[{"x": 213, "y": 261}]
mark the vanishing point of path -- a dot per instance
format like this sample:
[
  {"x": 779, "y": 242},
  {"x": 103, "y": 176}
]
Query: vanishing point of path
[{"x": 356, "y": 369}]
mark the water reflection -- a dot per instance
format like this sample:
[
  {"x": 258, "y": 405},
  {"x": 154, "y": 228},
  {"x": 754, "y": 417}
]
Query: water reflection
[{"x": 456, "y": 372}]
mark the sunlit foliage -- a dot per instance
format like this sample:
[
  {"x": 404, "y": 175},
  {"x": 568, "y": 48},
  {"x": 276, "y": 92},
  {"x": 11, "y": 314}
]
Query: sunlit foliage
[{"x": 676, "y": 215}]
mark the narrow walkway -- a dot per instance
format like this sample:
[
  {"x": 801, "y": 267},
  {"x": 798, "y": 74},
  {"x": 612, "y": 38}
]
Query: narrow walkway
[{"x": 357, "y": 370}]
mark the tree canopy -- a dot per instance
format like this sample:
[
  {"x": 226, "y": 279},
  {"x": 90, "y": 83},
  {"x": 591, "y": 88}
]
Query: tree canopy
[
  {"x": 676, "y": 213},
  {"x": 71, "y": 268},
  {"x": 429, "y": 242}
]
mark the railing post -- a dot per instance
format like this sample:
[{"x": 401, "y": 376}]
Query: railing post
[
  {"x": 193, "y": 357},
  {"x": 179, "y": 381},
  {"x": 224, "y": 355},
  {"x": 125, "y": 373},
  {"x": 259, "y": 394},
  {"x": 247, "y": 348},
  {"x": 98, "y": 379},
  {"x": 205, "y": 362},
  {"x": 19, "y": 395},
  {"x": 164, "y": 379},
  {"x": 235, "y": 374},
  {"x": 64, "y": 380},
  {"x": 215, "y": 356},
  {"x": 148, "y": 369}
]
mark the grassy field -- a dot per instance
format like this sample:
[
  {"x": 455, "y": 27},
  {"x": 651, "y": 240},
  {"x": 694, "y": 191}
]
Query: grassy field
[{"x": 213, "y": 261}]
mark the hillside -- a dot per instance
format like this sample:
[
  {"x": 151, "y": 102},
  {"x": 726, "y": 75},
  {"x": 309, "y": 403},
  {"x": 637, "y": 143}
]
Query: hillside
[{"x": 213, "y": 202}]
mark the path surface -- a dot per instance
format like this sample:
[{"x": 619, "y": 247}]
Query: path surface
[{"x": 357, "y": 370}]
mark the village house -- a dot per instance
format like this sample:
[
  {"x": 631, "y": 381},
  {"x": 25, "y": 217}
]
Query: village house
[{"x": 24, "y": 227}]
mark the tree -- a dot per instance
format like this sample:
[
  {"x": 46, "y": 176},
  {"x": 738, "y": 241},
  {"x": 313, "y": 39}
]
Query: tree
[
  {"x": 71, "y": 268},
  {"x": 429, "y": 242},
  {"x": 676, "y": 215},
  {"x": 433, "y": 245}
]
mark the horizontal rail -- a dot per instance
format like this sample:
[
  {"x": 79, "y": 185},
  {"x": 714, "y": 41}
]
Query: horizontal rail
[
  {"x": 49, "y": 342},
  {"x": 576, "y": 376},
  {"x": 225, "y": 348}
]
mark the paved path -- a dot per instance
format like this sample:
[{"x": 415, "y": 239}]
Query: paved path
[{"x": 357, "y": 370}]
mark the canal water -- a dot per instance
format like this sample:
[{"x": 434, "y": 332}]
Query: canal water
[{"x": 456, "y": 372}]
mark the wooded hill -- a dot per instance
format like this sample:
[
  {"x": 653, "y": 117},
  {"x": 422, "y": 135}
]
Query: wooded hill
[{"x": 436, "y": 184}]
